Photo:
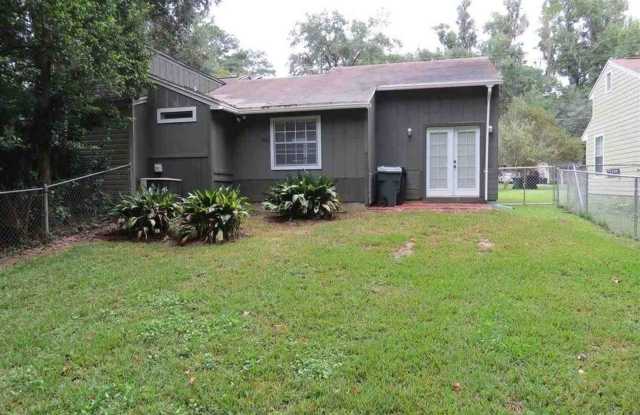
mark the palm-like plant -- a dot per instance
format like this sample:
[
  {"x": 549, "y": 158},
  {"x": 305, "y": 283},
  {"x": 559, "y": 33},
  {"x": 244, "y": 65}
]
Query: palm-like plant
[
  {"x": 211, "y": 215},
  {"x": 146, "y": 213},
  {"x": 305, "y": 196}
]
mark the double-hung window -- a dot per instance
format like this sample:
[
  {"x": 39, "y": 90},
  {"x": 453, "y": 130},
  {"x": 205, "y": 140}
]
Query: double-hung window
[
  {"x": 295, "y": 143},
  {"x": 598, "y": 154}
]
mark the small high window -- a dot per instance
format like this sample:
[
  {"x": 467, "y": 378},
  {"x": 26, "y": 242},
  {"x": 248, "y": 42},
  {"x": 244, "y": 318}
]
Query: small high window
[
  {"x": 599, "y": 154},
  {"x": 608, "y": 82},
  {"x": 176, "y": 114},
  {"x": 295, "y": 143}
]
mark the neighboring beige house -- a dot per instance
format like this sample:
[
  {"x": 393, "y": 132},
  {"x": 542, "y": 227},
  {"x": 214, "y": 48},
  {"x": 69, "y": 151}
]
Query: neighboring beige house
[{"x": 613, "y": 134}]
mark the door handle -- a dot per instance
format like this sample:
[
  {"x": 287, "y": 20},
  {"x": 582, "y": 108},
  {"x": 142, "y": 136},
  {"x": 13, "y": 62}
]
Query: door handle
[{"x": 454, "y": 164}]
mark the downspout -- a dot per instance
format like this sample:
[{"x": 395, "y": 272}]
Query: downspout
[
  {"x": 132, "y": 149},
  {"x": 486, "y": 144}
]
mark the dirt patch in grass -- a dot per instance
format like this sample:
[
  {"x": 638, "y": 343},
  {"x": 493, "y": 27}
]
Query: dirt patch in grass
[
  {"x": 405, "y": 250},
  {"x": 485, "y": 245},
  {"x": 515, "y": 407}
]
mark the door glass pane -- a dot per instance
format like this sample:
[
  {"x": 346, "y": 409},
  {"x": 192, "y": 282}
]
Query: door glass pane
[
  {"x": 438, "y": 159},
  {"x": 466, "y": 161}
]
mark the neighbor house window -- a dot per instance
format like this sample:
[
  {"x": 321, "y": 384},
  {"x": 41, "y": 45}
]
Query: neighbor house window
[
  {"x": 176, "y": 114},
  {"x": 295, "y": 143},
  {"x": 608, "y": 82},
  {"x": 599, "y": 151}
]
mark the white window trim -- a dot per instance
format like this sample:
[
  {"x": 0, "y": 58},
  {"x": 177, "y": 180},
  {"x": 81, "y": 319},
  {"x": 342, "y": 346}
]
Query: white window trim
[
  {"x": 161, "y": 111},
  {"x": 608, "y": 86},
  {"x": 595, "y": 140},
  {"x": 272, "y": 144}
]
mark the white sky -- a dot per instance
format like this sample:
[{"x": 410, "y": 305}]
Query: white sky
[{"x": 265, "y": 24}]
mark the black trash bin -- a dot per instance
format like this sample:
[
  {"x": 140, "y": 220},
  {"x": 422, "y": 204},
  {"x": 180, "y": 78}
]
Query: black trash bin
[{"x": 390, "y": 184}]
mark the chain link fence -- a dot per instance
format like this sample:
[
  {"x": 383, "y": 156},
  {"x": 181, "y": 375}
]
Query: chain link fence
[
  {"x": 29, "y": 217},
  {"x": 533, "y": 185},
  {"x": 608, "y": 199}
]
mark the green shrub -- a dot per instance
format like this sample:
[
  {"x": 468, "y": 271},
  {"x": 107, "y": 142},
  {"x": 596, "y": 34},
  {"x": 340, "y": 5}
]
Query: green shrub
[
  {"x": 146, "y": 213},
  {"x": 211, "y": 215},
  {"x": 305, "y": 196}
]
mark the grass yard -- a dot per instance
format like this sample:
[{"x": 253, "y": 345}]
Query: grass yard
[
  {"x": 507, "y": 195},
  {"x": 528, "y": 310}
]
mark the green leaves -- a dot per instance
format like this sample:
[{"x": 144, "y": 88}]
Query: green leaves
[
  {"x": 62, "y": 63},
  {"x": 328, "y": 40},
  {"x": 529, "y": 134},
  {"x": 305, "y": 196},
  {"x": 578, "y": 37},
  {"x": 146, "y": 214},
  {"x": 211, "y": 215}
]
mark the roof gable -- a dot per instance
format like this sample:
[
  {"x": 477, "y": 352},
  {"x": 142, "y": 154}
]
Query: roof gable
[{"x": 627, "y": 65}]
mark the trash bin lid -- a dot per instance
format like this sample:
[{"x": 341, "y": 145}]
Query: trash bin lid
[{"x": 389, "y": 169}]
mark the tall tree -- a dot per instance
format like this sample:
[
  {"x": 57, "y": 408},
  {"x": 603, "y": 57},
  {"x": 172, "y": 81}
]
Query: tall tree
[
  {"x": 211, "y": 49},
  {"x": 327, "y": 40},
  {"x": 578, "y": 36},
  {"x": 529, "y": 134},
  {"x": 467, "y": 35},
  {"x": 171, "y": 21},
  {"x": 506, "y": 52},
  {"x": 460, "y": 43},
  {"x": 60, "y": 60}
]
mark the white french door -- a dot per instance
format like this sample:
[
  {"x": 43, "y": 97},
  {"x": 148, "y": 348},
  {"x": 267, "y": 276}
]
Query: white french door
[{"x": 453, "y": 162}]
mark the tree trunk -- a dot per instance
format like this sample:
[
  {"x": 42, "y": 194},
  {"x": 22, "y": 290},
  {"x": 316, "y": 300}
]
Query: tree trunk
[
  {"x": 44, "y": 162},
  {"x": 41, "y": 126},
  {"x": 40, "y": 131}
]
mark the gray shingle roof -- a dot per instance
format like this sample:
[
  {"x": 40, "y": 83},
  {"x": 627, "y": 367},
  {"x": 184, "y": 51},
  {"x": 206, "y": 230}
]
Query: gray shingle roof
[{"x": 353, "y": 85}]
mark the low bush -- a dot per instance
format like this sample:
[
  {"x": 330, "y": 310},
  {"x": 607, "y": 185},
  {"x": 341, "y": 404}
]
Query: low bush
[
  {"x": 303, "y": 197},
  {"x": 211, "y": 215},
  {"x": 146, "y": 213}
]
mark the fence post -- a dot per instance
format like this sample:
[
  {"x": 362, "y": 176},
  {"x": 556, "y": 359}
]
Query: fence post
[
  {"x": 635, "y": 207},
  {"x": 586, "y": 193},
  {"x": 524, "y": 187},
  {"x": 45, "y": 202},
  {"x": 558, "y": 180}
]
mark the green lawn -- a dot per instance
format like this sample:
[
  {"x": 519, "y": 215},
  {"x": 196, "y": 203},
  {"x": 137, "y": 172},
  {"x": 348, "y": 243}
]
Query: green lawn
[
  {"x": 298, "y": 318},
  {"x": 543, "y": 194}
]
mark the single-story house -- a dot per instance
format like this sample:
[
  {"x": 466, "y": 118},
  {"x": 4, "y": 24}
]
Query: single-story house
[
  {"x": 612, "y": 136},
  {"x": 437, "y": 119}
]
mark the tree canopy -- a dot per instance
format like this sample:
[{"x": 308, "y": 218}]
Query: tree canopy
[
  {"x": 463, "y": 42},
  {"x": 579, "y": 36},
  {"x": 529, "y": 134},
  {"x": 170, "y": 22},
  {"x": 61, "y": 61},
  {"x": 327, "y": 40},
  {"x": 213, "y": 50}
]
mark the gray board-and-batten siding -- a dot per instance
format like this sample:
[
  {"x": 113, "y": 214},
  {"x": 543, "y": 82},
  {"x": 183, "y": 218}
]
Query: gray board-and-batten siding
[
  {"x": 419, "y": 110},
  {"x": 220, "y": 148}
]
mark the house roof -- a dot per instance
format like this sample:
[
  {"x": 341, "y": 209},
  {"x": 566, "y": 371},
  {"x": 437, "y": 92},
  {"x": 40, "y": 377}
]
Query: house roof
[
  {"x": 351, "y": 87},
  {"x": 632, "y": 64}
]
